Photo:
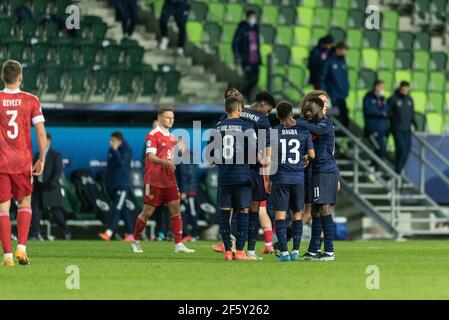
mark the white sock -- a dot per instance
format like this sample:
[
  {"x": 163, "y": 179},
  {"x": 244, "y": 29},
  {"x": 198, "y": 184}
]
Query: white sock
[
  {"x": 7, "y": 256},
  {"x": 109, "y": 232},
  {"x": 22, "y": 247},
  {"x": 285, "y": 253},
  {"x": 252, "y": 252},
  {"x": 179, "y": 244},
  {"x": 268, "y": 244}
]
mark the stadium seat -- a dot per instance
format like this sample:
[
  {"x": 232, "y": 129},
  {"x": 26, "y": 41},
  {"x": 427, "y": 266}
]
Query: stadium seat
[
  {"x": 446, "y": 124},
  {"x": 30, "y": 81},
  {"x": 438, "y": 61},
  {"x": 405, "y": 40},
  {"x": 112, "y": 54},
  {"x": 387, "y": 77},
  {"x": 437, "y": 81},
  {"x": 317, "y": 34},
  {"x": 88, "y": 55},
  {"x": 134, "y": 56},
  {"x": 126, "y": 82},
  {"x": 270, "y": 14},
  {"x": 172, "y": 80},
  {"x": 359, "y": 118},
  {"x": 339, "y": 18},
  {"x": 360, "y": 95},
  {"x": 370, "y": 58},
  {"x": 297, "y": 75},
  {"x": 149, "y": 80},
  {"x": 198, "y": 11},
  {"x": 353, "y": 58},
  {"x": 387, "y": 59},
  {"x": 39, "y": 8},
  {"x": 359, "y": 4},
  {"x": 102, "y": 81},
  {"x": 371, "y": 38},
  {"x": 435, "y": 102},
  {"x": 53, "y": 77},
  {"x": 421, "y": 60},
  {"x": 446, "y": 104},
  {"x": 354, "y": 38},
  {"x": 234, "y": 13},
  {"x": 402, "y": 75},
  {"x": 351, "y": 101},
  {"x": 228, "y": 32},
  {"x": 434, "y": 123},
  {"x": 420, "y": 81},
  {"x": 15, "y": 48},
  {"x": 389, "y": 40},
  {"x": 302, "y": 36},
  {"x": 28, "y": 30},
  {"x": 293, "y": 94},
  {"x": 285, "y": 35},
  {"x": 404, "y": 59},
  {"x": 40, "y": 52},
  {"x": 99, "y": 31},
  {"x": 265, "y": 50},
  {"x": 299, "y": 55},
  {"x": 422, "y": 41},
  {"x": 390, "y": 20},
  {"x": 357, "y": 19},
  {"x": 343, "y": 4},
  {"x": 6, "y": 24},
  {"x": 216, "y": 12},
  {"x": 61, "y": 7},
  {"x": 353, "y": 77},
  {"x": 212, "y": 33},
  {"x": 367, "y": 78},
  {"x": 195, "y": 32},
  {"x": 305, "y": 16},
  {"x": 420, "y": 120},
  {"x": 78, "y": 80},
  {"x": 282, "y": 55},
  {"x": 267, "y": 33},
  {"x": 287, "y": 15},
  {"x": 419, "y": 100},
  {"x": 226, "y": 55},
  {"x": 322, "y": 17},
  {"x": 263, "y": 75}
]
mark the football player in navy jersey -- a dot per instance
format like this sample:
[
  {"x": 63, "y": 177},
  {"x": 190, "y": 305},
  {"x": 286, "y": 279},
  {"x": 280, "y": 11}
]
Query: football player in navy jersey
[
  {"x": 287, "y": 183},
  {"x": 237, "y": 142}
]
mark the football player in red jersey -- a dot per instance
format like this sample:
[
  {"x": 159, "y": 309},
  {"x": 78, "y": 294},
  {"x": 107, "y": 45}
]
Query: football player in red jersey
[
  {"x": 18, "y": 110},
  {"x": 159, "y": 180}
]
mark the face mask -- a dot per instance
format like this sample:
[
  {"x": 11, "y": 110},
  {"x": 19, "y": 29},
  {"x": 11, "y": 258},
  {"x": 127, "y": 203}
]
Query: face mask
[
  {"x": 382, "y": 93},
  {"x": 252, "y": 21}
]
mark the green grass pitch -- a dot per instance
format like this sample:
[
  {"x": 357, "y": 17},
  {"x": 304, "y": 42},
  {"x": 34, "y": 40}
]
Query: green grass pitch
[{"x": 408, "y": 270}]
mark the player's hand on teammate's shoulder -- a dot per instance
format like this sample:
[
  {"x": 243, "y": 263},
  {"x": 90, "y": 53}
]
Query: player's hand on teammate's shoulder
[
  {"x": 306, "y": 160},
  {"x": 290, "y": 123},
  {"x": 38, "y": 167}
]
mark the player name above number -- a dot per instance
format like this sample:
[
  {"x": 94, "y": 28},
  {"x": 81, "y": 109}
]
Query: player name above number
[
  {"x": 289, "y": 131},
  {"x": 249, "y": 116},
  {"x": 12, "y": 103},
  {"x": 233, "y": 128}
]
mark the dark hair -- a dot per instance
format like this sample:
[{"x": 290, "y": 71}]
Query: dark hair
[
  {"x": 48, "y": 136},
  {"x": 164, "y": 109},
  {"x": 317, "y": 101},
  {"x": 376, "y": 83},
  {"x": 118, "y": 135},
  {"x": 311, "y": 95},
  {"x": 250, "y": 12},
  {"x": 341, "y": 45},
  {"x": 404, "y": 84},
  {"x": 232, "y": 103},
  {"x": 267, "y": 97},
  {"x": 284, "y": 109},
  {"x": 226, "y": 94},
  {"x": 11, "y": 70}
]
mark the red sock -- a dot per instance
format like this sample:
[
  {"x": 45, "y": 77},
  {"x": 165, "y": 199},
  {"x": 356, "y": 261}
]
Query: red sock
[
  {"x": 5, "y": 232},
  {"x": 138, "y": 229},
  {"x": 176, "y": 228},
  {"x": 23, "y": 225},
  {"x": 268, "y": 236}
]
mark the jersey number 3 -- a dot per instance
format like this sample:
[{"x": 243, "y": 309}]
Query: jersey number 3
[{"x": 14, "y": 132}]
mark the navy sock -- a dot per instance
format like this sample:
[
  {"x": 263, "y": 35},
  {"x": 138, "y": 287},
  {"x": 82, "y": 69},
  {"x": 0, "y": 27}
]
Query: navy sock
[
  {"x": 225, "y": 229},
  {"x": 328, "y": 230},
  {"x": 234, "y": 222},
  {"x": 321, "y": 240},
  {"x": 242, "y": 230},
  {"x": 289, "y": 232},
  {"x": 297, "y": 234},
  {"x": 253, "y": 230},
  {"x": 281, "y": 233},
  {"x": 316, "y": 234}
]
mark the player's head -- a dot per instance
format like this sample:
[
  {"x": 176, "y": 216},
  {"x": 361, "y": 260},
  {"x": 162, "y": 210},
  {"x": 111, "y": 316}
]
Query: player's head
[
  {"x": 12, "y": 73},
  {"x": 155, "y": 123},
  {"x": 404, "y": 88},
  {"x": 316, "y": 94},
  {"x": 166, "y": 117},
  {"x": 233, "y": 105},
  {"x": 233, "y": 92},
  {"x": 265, "y": 102},
  {"x": 313, "y": 109},
  {"x": 284, "y": 110},
  {"x": 116, "y": 138}
]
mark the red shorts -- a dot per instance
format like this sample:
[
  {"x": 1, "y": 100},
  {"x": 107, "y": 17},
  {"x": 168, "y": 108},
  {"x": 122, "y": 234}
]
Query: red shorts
[
  {"x": 155, "y": 196},
  {"x": 16, "y": 185},
  {"x": 263, "y": 204}
]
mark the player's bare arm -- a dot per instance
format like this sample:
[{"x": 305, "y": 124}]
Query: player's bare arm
[
  {"x": 166, "y": 163},
  {"x": 41, "y": 135}
]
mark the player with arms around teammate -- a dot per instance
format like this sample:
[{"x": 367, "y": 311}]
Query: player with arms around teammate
[
  {"x": 287, "y": 183},
  {"x": 18, "y": 110},
  {"x": 325, "y": 183},
  {"x": 232, "y": 143},
  {"x": 159, "y": 180}
]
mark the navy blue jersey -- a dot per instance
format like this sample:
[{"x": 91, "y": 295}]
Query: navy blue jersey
[
  {"x": 323, "y": 136},
  {"x": 293, "y": 144},
  {"x": 236, "y": 153}
]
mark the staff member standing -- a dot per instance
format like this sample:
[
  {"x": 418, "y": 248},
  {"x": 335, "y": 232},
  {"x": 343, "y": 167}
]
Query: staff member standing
[
  {"x": 118, "y": 179},
  {"x": 317, "y": 58},
  {"x": 180, "y": 10},
  {"x": 402, "y": 115},
  {"x": 246, "y": 48},
  {"x": 375, "y": 111}
]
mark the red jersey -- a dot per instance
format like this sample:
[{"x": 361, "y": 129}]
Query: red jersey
[
  {"x": 17, "y": 111},
  {"x": 162, "y": 145}
]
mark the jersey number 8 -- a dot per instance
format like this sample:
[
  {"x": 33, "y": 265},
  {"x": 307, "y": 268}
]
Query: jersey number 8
[{"x": 228, "y": 147}]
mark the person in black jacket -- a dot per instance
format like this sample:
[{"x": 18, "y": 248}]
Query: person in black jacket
[
  {"x": 47, "y": 194},
  {"x": 317, "y": 58},
  {"x": 402, "y": 117},
  {"x": 118, "y": 179},
  {"x": 246, "y": 49},
  {"x": 180, "y": 10},
  {"x": 375, "y": 111}
]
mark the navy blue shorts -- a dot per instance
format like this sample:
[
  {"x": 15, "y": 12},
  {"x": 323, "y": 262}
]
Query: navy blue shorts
[
  {"x": 285, "y": 196},
  {"x": 308, "y": 185},
  {"x": 258, "y": 186},
  {"x": 325, "y": 188},
  {"x": 234, "y": 196}
]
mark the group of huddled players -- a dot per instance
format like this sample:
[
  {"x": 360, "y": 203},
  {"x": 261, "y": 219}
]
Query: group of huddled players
[{"x": 304, "y": 182}]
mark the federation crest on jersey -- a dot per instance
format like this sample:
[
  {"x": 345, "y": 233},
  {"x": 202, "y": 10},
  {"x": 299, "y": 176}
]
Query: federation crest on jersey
[{"x": 149, "y": 143}]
